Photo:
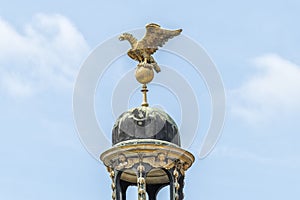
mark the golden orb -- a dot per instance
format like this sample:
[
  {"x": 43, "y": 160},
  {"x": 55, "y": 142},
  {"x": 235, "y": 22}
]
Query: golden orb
[{"x": 144, "y": 73}]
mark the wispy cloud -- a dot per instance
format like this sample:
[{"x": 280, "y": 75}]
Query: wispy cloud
[
  {"x": 235, "y": 153},
  {"x": 273, "y": 90},
  {"x": 45, "y": 54},
  {"x": 290, "y": 161}
]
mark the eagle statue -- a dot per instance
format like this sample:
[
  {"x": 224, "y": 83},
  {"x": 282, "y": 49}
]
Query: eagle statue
[{"x": 143, "y": 49}]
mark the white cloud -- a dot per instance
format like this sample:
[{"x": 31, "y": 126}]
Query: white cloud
[
  {"x": 15, "y": 86},
  {"x": 273, "y": 90},
  {"x": 45, "y": 54},
  {"x": 288, "y": 161},
  {"x": 235, "y": 153}
]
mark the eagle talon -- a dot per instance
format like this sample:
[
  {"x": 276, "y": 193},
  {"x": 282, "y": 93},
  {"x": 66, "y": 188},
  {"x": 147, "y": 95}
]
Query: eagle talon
[{"x": 145, "y": 61}]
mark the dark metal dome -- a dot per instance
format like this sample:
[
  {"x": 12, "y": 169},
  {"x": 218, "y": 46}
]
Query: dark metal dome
[{"x": 145, "y": 123}]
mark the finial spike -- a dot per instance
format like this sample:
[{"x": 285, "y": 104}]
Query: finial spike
[{"x": 144, "y": 91}]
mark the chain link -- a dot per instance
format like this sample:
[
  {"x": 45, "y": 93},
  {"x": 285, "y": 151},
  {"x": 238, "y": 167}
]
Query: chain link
[
  {"x": 141, "y": 183},
  {"x": 113, "y": 185}
]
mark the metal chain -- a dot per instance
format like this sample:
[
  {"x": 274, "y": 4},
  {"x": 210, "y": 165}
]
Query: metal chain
[
  {"x": 113, "y": 185},
  {"x": 176, "y": 184},
  {"x": 141, "y": 183}
]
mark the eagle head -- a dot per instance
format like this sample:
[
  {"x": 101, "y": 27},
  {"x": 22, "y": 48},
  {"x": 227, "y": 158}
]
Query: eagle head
[
  {"x": 124, "y": 36},
  {"x": 127, "y": 36},
  {"x": 121, "y": 37}
]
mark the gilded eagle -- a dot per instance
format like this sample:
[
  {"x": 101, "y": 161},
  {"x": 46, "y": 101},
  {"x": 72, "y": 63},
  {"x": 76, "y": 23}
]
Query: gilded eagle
[{"x": 154, "y": 37}]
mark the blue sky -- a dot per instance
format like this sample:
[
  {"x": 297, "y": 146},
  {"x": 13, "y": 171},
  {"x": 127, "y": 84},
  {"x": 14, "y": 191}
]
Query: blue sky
[{"x": 255, "y": 46}]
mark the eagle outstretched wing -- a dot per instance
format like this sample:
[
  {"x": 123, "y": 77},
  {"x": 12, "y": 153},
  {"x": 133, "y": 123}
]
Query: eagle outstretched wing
[{"x": 156, "y": 37}]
